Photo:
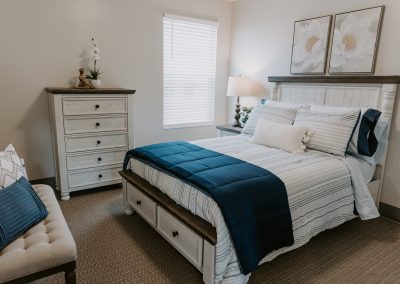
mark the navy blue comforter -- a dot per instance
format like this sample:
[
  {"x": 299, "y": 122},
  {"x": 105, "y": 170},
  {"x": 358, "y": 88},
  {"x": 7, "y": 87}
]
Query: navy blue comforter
[{"x": 253, "y": 201}]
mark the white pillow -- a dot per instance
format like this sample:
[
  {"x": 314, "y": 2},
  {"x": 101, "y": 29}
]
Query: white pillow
[
  {"x": 333, "y": 109},
  {"x": 274, "y": 114},
  {"x": 380, "y": 131},
  {"x": 282, "y": 136},
  {"x": 332, "y": 131},
  {"x": 11, "y": 167}
]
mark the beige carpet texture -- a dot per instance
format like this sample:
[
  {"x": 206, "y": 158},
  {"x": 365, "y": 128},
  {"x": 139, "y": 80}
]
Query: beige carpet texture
[{"x": 115, "y": 248}]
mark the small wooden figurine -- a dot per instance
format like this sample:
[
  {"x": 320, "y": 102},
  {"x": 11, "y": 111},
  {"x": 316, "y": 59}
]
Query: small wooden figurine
[{"x": 83, "y": 82}]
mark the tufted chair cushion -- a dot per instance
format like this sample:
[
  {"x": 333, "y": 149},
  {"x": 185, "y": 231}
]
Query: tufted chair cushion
[{"x": 46, "y": 245}]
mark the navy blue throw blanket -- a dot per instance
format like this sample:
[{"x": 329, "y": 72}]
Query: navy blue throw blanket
[{"x": 253, "y": 201}]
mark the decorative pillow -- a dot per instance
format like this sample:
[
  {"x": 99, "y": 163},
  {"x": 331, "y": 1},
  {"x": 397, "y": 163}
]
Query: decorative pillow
[
  {"x": 20, "y": 209},
  {"x": 370, "y": 138},
  {"x": 332, "y": 131},
  {"x": 282, "y": 136},
  {"x": 11, "y": 167},
  {"x": 274, "y": 114}
]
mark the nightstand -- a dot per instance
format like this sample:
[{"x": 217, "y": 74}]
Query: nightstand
[{"x": 228, "y": 130}]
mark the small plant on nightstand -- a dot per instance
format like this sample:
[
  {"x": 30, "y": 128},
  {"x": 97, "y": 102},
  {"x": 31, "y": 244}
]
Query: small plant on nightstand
[{"x": 244, "y": 114}]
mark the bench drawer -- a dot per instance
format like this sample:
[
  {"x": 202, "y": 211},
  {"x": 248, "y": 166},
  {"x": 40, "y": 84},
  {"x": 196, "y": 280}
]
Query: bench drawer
[
  {"x": 73, "y": 144},
  {"x": 73, "y": 125},
  {"x": 78, "y": 106},
  {"x": 181, "y": 237},
  {"x": 142, "y": 204},
  {"x": 96, "y": 177}
]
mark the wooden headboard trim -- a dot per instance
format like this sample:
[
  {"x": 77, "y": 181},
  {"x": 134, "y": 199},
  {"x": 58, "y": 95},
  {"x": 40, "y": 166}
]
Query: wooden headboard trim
[{"x": 336, "y": 79}]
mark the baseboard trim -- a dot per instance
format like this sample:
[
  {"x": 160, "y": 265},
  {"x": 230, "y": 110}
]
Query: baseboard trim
[
  {"x": 389, "y": 211},
  {"x": 50, "y": 181}
]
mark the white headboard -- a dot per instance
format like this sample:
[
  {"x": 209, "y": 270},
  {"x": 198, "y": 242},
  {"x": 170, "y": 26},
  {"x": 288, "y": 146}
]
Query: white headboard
[
  {"x": 358, "y": 91},
  {"x": 377, "y": 92}
]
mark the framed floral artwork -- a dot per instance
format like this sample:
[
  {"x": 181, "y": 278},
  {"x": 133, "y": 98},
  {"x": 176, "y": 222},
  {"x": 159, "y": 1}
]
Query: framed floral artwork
[
  {"x": 310, "y": 45},
  {"x": 355, "y": 41}
]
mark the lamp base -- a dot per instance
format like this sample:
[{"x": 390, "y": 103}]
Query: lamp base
[{"x": 237, "y": 114}]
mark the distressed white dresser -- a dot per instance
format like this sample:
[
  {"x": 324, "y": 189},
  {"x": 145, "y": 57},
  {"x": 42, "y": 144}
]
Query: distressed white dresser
[{"x": 91, "y": 130}]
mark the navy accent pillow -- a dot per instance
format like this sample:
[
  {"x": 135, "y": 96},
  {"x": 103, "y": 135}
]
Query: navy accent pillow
[
  {"x": 367, "y": 142},
  {"x": 20, "y": 209}
]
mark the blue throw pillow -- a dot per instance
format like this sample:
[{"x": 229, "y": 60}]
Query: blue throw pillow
[
  {"x": 20, "y": 209},
  {"x": 369, "y": 141}
]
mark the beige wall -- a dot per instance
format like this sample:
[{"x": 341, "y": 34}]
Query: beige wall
[
  {"x": 43, "y": 43},
  {"x": 261, "y": 45}
]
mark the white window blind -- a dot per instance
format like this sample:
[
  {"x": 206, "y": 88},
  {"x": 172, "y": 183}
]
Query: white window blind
[{"x": 190, "y": 50}]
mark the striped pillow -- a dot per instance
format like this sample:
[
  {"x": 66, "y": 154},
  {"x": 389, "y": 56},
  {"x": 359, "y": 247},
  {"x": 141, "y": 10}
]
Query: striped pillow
[
  {"x": 332, "y": 131},
  {"x": 274, "y": 114}
]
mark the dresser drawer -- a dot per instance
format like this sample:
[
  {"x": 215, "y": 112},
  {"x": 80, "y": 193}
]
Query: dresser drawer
[
  {"x": 73, "y": 125},
  {"x": 77, "y": 106},
  {"x": 76, "y": 162},
  {"x": 180, "y": 236},
  {"x": 142, "y": 204},
  {"x": 93, "y": 177},
  {"x": 73, "y": 144}
]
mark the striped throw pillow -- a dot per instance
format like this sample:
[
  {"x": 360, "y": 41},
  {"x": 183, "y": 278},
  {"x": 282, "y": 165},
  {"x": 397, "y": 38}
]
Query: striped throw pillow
[
  {"x": 332, "y": 131},
  {"x": 273, "y": 114}
]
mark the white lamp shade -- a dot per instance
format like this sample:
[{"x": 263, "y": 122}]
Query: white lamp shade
[{"x": 239, "y": 86}]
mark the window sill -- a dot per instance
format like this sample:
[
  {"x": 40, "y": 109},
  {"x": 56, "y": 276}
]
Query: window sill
[{"x": 188, "y": 125}]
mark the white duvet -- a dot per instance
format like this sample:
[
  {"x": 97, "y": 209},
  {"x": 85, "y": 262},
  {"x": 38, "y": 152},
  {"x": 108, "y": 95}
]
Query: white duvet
[{"x": 321, "y": 188}]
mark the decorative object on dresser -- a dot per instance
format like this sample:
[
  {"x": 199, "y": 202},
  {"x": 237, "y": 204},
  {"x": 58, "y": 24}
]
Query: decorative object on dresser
[
  {"x": 310, "y": 45},
  {"x": 82, "y": 82},
  {"x": 94, "y": 72},
  {"x": 228, "y": 130},
  {"x": 91, "y": 130},
  {"x": 239, "y": 86},
  {"x": 355, "y": 41}
]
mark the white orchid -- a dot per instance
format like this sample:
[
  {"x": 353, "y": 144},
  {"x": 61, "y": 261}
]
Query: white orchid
[
  {"x": 309, "y": 46},
  {"x": 94, "y": 54},
  {"x": 354, "y": 43}
]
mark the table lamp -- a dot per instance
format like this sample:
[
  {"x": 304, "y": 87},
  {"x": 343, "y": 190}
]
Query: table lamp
[{"x": 239, "y": 86}]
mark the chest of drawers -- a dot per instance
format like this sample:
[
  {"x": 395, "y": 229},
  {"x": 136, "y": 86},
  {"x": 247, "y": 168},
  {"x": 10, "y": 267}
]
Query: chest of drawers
[{"x": 91, "y": 131}]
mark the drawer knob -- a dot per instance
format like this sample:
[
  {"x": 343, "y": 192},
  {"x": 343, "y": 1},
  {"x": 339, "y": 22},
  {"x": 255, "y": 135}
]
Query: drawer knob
[
  {"x": 98, "y": 142},
  {"x": 97, "y": 124},
  {"x": 100, "y": 175},
  {"x": 97, "y": 106},
  {"x": 99, "y": 159},
  {"x": 139, "y": 202},
  {"x": 175, "y": 234}
]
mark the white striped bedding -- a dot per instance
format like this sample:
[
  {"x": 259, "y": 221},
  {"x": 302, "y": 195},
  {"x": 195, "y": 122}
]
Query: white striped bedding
[{"x": 319, "y": 189}]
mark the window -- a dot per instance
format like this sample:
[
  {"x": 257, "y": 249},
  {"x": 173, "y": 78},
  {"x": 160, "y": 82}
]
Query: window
[{"x": 190, "y": 51}]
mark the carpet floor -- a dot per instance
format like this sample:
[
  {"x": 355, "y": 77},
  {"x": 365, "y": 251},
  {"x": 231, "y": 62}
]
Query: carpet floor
[{"x": 115, "y": 248}]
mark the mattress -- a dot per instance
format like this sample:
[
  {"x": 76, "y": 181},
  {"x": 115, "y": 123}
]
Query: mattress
[{"x": 322, "y": 190}]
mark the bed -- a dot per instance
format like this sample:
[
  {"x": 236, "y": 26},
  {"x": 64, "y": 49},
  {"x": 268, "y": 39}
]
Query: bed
[{"x": 321, "y": 188}]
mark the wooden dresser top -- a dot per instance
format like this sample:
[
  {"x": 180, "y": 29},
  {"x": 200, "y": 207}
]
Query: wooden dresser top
[{"x": 89, "y": 91}]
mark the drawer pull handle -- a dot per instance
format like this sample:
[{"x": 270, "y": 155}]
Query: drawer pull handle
[
  {"x": 98, "y": 142},
  {"x": 100, "y": 175},
  {"x": 139, "y": 202},
  {"x": 97, "y": 106},
  {"x": 97, "y": 124},
  {"x": 175, "y": 234},
  {"x": 99, "y": 159}
]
